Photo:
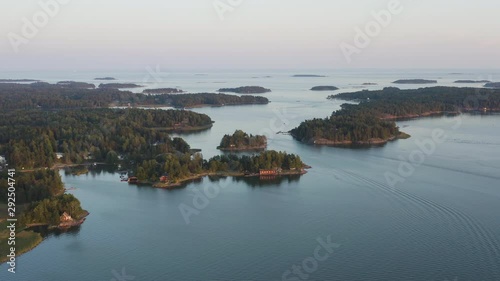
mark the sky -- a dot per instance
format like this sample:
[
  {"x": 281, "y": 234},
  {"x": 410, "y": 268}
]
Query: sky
[{"x": 248, "y": 34}]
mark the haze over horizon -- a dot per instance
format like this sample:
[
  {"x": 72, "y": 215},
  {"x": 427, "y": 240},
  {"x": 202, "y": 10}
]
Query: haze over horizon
[{"x": 255, "y": 34}]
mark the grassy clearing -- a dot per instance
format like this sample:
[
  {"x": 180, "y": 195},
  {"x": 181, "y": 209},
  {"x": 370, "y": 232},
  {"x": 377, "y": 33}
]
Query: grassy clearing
[{"x": 25, "y": 241}]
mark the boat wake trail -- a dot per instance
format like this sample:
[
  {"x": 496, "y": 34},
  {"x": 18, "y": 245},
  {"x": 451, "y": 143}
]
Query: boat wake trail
[{"x": 480, "y": 237}]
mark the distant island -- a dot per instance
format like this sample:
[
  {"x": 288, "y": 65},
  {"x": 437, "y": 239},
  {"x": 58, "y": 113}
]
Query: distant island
[
  {"x": 76, "y": 85},
  {"x": 324, "y": 88},
  {"x": 105, "y": 79},
  {"x": 208, "y": 99},
  {"x": 45, "y": 96},
  {"x": 492, "y": 85},
  {"x": 415, "y": 81},
  {"x": 241, "y": 141},
  {"x": 307, "y": 75},
  {"x": 163, "y": 91},
  {"x": 245, "y": 90},
  {"x": 17, "y": 80},
  {"x": 369, "y": 84},
  {"x": 119, "y": 86},
  {"x": 471, "y": 81}
]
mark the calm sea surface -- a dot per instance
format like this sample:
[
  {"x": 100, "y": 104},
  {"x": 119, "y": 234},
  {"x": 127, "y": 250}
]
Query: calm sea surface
[{"x": 438, "y": 222}]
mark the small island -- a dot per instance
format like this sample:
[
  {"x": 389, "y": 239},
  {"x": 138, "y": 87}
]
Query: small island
[
  {"x": 241, "y": 141},
  {"x": 105, "y": 79},
  {"x": 369, "y": 84},
  {"x": 324, "y": 88},
  {"x": 162, "y": 91},
  {"x": 119, "y": 86},
  {"x": 245, "y": 90},
  {"x": 492, "y": 85},
  {"x": 415, "y": 81},
  {"x": 471, "y": 81},
  {"x": 308, "y": 76}
]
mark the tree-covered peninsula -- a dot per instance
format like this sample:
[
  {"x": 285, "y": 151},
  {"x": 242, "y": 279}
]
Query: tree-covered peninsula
[
  {"x": 241, "y": 141},
  {"x": 40, "y": 200},
  {"x": 372, "y": 120},
  {"x": 32, "y": 138}
]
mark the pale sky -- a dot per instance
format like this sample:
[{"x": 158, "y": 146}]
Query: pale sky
[{"x": 256, "y": 34}]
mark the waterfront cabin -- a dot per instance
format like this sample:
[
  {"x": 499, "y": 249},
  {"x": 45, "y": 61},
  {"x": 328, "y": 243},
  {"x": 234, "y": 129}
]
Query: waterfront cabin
[
  {"x": 164, "y": 178},
  {"x": 133, "y": 180},
  {"x": 268, "y": 172},
  {"x": 65, "y": 217}
]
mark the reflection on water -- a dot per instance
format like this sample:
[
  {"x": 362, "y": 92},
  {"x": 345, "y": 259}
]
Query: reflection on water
[
  {"x": 47, "y": 232},
  {"x": 267, "y": 181}
]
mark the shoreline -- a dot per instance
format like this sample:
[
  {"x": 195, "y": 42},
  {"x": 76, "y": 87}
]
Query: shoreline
[
  {"x": 78, "y": 221},
  {"x": 180, "y": 183},
  {"x": 37, "y": 238},
  {"x": 245, "y": 149},
  {"x": 370, "y": 142}
]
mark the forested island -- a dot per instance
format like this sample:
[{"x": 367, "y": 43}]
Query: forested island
[
  {"x": 245, "y": 90},
  {"x": 45, "y": 96},
  {"x": 372, "y": 120},
  {"x": 119, "y": 86},
  {"x": 324, "y": 88},
  {"x": 241, "y": 141},
  {"x": 415, "y": 81},
  {"x": 170, "y": 171}
]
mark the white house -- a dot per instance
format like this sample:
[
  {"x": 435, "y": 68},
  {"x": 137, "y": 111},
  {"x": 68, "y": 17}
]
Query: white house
[
  {"x": 59, "y": 155},
  {"x": 2, "y": 159}
]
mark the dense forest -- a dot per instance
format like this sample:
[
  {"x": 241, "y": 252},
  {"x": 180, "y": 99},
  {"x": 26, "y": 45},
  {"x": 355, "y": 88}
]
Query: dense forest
[
  {"x": 371, "y": 118},
  {"x": 31, "y": 139},
  {"x": 75, "y": 95},
  {"x": 32, "y": 187},
  {"x": 242, "y": 141}
]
